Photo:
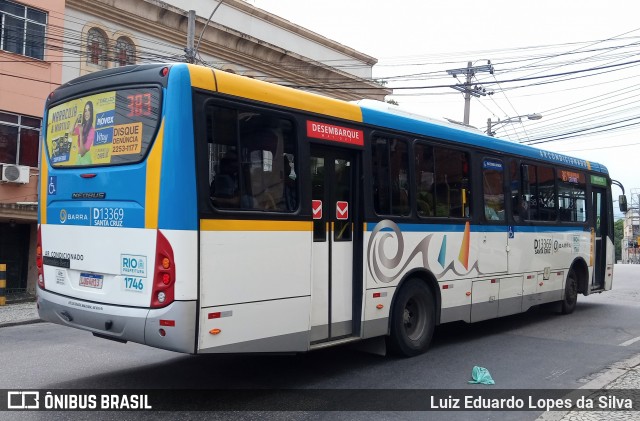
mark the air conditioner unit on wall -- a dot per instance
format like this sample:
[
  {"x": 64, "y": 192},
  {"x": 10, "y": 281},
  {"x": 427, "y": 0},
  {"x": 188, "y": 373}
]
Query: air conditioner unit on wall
[{"x": 14, "y": 173}]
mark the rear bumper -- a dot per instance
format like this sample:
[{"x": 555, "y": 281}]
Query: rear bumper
[{"x": 133, "y": 324}]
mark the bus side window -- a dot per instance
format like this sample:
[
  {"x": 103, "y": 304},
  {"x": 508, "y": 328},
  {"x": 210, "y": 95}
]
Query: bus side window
[
  {"x": 251, "y": 161},
  {"x": 538, "y": 190},
  {"x": 572, "y": 193},
  {"x": 547, "y": 209},
  {"x": 493, "y": 189},
  {"x": 516, "y": 198},
  {"x": 224, "y": 183},
  {"x": 452, "y": 190},
  {"x": 390, "y": 178},
  {"x": 527, "y": 199},
  {"x": 268, "y": 144},
  {"x": 424, "y": 179}
]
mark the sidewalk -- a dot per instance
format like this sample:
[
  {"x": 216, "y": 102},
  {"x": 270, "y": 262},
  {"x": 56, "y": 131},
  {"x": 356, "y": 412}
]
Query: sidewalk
[{"x": 18, "y": 313}]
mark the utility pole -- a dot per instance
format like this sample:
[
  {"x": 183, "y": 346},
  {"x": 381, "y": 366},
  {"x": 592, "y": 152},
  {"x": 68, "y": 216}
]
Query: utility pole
[
  {"x": 467, "y": 89},
  {"x": 191, "y": 35},
  {"x": 467, "y": 93}
]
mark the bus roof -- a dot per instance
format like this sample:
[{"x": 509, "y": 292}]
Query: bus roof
[
  {"x": 386, "y": 115},
  {"x": 375, "y": 113}
]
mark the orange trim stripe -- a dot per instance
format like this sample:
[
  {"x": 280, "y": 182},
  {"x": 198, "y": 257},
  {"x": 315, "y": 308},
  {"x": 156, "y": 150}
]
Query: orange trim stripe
[
  {"x": 152, "y": 194},
  {"x": 246, "y": 225}
]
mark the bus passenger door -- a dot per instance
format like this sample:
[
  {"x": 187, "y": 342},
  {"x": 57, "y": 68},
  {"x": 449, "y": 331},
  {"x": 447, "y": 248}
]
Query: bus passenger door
[
  {"x": 599, "y": 235},
  {"x": 333, "y": 175}
]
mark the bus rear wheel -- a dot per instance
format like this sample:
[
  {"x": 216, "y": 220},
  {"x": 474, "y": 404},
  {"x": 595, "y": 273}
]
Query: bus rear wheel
[
  {"x": 412, "y": 320},
  {"x": 570, "y": 294}
]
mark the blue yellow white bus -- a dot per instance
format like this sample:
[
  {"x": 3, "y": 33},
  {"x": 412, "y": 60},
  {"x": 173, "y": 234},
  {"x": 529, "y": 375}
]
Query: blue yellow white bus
[{"x": 199, "y": 211}]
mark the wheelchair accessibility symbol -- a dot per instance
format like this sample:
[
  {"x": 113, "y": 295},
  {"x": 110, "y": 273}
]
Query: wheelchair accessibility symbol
[{"x": 53, "y": 185}]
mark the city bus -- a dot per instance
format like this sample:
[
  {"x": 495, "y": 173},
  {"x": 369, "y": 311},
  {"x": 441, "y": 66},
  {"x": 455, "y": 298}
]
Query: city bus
[{"x": 199, "y": 211}]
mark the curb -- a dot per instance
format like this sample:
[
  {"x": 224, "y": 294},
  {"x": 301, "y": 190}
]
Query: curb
[
  {"x": 21, "y": 322},
  {"x": 20, "y": 301}
]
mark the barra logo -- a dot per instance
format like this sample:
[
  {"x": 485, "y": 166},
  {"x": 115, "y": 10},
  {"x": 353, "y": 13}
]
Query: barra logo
[
  {"x": 23, "y": 400},
  {"x": 74, "y": 218}
]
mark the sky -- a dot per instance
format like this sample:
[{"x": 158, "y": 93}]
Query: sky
[{"x": 571, "y": 61}]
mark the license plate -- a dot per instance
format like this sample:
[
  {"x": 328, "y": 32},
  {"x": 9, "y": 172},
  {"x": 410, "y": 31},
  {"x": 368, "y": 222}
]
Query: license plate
[{"x": 91, "y": 280}]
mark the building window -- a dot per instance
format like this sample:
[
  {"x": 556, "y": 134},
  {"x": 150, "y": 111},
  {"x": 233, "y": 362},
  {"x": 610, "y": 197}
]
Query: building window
[
  {"x": 96, "y": 48},
  {"x": 23, "y": 29},
  {"x": 125, "y": 52},
  {"x": 19, "y": 139}
]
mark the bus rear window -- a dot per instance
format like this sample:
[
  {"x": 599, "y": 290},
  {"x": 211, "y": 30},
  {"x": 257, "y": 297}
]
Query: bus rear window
[{"x": 108, "y": 128}]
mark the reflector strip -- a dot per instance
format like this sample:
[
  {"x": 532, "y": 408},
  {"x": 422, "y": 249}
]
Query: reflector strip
[
  {"x": 167, "y": 322},
  {"x": 220, "y": 314}
]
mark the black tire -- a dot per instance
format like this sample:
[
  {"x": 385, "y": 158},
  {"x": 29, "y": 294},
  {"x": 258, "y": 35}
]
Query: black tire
[
  {"x": 413, "y": 319},
  {"x": 570, "y": 298}
]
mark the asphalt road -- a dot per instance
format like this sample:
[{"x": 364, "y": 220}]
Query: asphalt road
[{"x": 536, "y": 350}]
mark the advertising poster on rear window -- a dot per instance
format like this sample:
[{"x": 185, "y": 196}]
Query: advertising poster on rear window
[{"x": 101, "y": 129}]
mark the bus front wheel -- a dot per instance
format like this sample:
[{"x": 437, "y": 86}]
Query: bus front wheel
[
  {"x": 412, "y": 320},
  {"x": 570, "y": 294}
]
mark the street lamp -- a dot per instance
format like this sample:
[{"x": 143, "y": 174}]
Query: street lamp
[{"x": 517, "y": 119}]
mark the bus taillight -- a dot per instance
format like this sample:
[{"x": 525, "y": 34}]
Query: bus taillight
[
  {"x": 39, "y": 260},
  {"x": 165, "y": 274}
]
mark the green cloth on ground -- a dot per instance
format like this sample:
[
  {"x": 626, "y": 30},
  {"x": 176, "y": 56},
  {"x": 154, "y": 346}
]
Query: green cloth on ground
[{"x": 481, "y": 375}]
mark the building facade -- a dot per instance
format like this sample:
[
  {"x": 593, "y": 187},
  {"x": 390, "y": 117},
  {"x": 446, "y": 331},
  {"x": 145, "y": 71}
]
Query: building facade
[
  {"x": 239, "y": 38},
  {"x": 48, "y": 42},
  {"x": 30, "y": 68}
]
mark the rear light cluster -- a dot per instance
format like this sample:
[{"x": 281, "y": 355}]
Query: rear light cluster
[
  {"x": 165, "y": 274},
  {"x": 39, "y": 260}
]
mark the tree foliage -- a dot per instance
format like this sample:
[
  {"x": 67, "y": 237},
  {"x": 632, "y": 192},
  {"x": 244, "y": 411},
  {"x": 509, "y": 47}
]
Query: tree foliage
[{"x": 618, "y": 235}]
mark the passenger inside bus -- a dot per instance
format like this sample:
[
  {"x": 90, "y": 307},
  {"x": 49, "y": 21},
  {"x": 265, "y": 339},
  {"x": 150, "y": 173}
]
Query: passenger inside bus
[{"x": 224, "y": 187}]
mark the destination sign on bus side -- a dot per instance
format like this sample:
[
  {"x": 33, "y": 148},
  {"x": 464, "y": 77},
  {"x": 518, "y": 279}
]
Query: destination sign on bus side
[{"x": 334, "y": 133}]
